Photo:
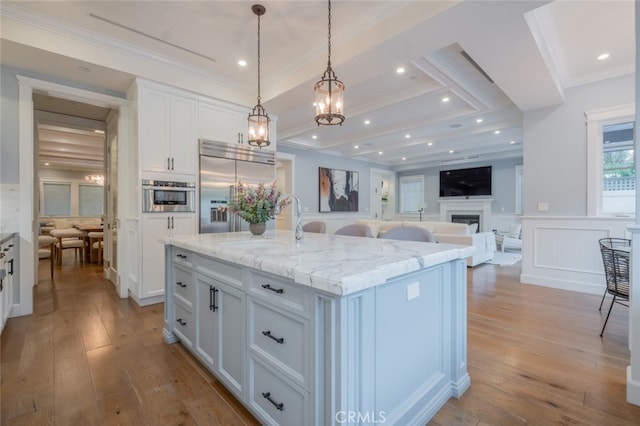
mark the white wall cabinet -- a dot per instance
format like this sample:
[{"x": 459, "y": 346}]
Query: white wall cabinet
[
  {"x": 154, "y": 227},
  {"x": 167, "y": 132},
  {"x": 226, "y": 123}
]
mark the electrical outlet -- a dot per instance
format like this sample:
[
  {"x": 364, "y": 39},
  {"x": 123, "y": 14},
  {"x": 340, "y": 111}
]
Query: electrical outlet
[
  {"x": 543, "y": 206},
  {"x": 413, "y": 291}
]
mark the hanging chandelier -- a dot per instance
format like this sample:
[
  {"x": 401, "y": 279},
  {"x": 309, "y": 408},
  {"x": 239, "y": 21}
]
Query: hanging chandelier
[
  {"x": 258, "y": 118},
  {"x": 95, "y": 179},
  {"x": 329, "y": 93}
]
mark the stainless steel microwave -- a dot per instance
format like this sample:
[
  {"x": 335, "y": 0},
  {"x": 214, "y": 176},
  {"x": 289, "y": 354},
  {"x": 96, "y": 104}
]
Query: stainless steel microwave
[{"x": 167, "y": 196}]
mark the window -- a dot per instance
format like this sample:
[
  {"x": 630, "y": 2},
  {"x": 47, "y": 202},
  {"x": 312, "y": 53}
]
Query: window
[
  {"x": 90, "y": 198},
  {"x": 411, "y": 193},
  {"x": 71, "y": 198},
  {"x": 56, "y": 199},
  {"x": 611, "y": 169}
]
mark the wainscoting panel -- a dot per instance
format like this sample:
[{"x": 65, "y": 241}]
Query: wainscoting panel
[
  {"x": 572, "y": 249},
  {"x": 563, "y": 252}
]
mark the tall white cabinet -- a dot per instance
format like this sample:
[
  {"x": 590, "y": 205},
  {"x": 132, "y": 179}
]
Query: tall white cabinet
[
  {"x": 167, "y": 132},
  {"x": 167, "y": 124}
]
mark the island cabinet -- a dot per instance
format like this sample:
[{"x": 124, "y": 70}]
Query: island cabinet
[{"x": 296, "y": 349}]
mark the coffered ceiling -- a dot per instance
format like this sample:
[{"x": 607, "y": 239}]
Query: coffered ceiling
[{"x": 491, "y": 60}]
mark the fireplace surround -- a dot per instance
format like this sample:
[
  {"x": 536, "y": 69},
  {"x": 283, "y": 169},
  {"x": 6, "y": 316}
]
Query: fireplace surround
[{"x": 467, "y": 207}]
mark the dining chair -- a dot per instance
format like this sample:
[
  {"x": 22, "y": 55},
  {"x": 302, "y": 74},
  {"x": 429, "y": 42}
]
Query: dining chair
[
  {"x": 46, "y": 246},
  {"x": 615, "y": 259},
  {"x": 95, "y": 244},
  {"x": 355, "y": 230},
  {"x": 316, "y": 227},
  {"x": 69, "y": 238},
  {"x": 409, "y": 233}
]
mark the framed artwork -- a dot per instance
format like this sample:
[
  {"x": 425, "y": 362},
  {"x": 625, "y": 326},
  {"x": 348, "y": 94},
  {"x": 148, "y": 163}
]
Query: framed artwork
[{"x": 338, "y": 190}]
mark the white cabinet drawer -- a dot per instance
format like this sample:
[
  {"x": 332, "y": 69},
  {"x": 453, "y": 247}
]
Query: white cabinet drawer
[
  {"x": 230, "y": 274},
  {"x": 183, "y": 285},
  {"x": 276, "y": 290},
  {"x": 274, "y": 400},
  {"x": 183, "y": 256},
  {"x": 183, "y": 327},
  {"x": 281, "y": 339}
]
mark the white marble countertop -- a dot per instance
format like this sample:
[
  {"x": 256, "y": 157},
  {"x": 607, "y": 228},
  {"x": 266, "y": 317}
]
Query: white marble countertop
[{"x": 337, "y": 264}]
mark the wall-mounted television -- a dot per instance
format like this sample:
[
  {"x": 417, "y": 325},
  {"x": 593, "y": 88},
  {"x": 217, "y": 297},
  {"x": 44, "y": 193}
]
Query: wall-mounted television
[{"x": 465, "y": 182}]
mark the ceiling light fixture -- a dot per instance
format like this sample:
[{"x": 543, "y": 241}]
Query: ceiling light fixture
[
  {"x": 400, "y": 70},
  {"x": 242, "y": 63},
  {"x": 497, "y": 132},
  {"x": 314, "y": 137},
  {"x": 603, "y": 56},
  {"x": 407, "y": 136},
  {"x": 367, "y": 122},
  {"x": 258, "y": 118},
  {"x": 479, "y": 120},
  {"x": 379, "y": 152},
  {"x": 329, "y": 93},
  {"x": 445, "y": 99},
  {"x": 95, "y": 179},
  {"x": 356, "y": 146}
]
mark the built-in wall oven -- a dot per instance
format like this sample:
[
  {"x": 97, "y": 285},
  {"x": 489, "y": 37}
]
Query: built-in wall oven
[{"x": 168, "y": 196}]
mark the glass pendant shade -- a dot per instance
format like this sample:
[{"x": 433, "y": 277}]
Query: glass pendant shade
[
  {"x": 258, "y": 127},
  {"x": 329, "y": 105}
]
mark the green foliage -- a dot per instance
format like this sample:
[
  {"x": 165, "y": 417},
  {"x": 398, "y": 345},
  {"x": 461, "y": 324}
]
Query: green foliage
[{"x": 258, "y": 203}]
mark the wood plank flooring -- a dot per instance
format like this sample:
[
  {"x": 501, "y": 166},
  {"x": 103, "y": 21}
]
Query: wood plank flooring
[{"x": 86, "y": 357}]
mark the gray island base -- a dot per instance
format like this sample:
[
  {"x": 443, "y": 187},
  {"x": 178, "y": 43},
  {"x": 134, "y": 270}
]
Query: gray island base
[{"x": 332, "y": 330}]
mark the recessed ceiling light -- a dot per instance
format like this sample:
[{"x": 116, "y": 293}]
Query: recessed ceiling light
[
  {"x": 400, "y": 70},
  {"x": 430, "y": 144},
  {"x": 356, "y": 146},
  {"x": 404, "y": 158},
  {"x": 242, "y": 63},
  {"x": 314, "y": 137},
  {"x": 479, "y": 120},
  {"x": 407, "y": 136},
  {"x": 512, "y": 142},
  {"x": 367, "y": 122},
  {"x": 451, "y": 151},
  {"x": 46, "y": 164},
  {"x": 497, "y": 132},
  {"x": 603, "y": 56},
  {"x": 445, "y": 99},
  {"x": 379, "y": 152}
]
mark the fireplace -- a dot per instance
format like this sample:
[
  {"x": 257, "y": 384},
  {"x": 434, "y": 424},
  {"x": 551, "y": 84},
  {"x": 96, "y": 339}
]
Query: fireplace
[
  {"x": 479, "y": 209},
  {"x": 469, "y": 219}
]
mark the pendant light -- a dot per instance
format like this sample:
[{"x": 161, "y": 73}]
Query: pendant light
[
  {"x": 258, "y": 118},
  {"x": 329, "y": 93}
]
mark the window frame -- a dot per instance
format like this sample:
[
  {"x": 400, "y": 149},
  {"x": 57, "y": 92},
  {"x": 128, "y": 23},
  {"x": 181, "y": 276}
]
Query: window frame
[{"x": 596, "y": 120}]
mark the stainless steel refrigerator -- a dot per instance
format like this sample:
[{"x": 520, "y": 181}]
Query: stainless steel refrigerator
[{"x": 222, "y": 165}]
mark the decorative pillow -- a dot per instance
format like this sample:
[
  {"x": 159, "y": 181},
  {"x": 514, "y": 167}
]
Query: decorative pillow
[
  {"x": 451, "y": 228},
  {"x": 473, "y": 228}
]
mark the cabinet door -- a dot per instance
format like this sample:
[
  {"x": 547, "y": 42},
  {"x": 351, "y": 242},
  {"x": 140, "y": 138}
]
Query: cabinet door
[
  {"x": 153, "y": 131},
  {"x": 154, "y": 227},
  {"x": 184, "y": 142},
  {"x": 231, "y": 338},
  {"x": 220, "y": 124},
  {"x": 220, "y": 332}
]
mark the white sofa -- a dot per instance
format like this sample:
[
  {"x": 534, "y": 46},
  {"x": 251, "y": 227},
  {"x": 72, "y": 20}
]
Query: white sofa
[{"x": 445, "y": 232}]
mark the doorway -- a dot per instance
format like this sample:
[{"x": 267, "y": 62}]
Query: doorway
[
  {"x": 28, "y": 203},
  {"x": 70, "y": 173}
]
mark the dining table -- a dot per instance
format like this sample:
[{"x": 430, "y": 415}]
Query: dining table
[{"x": 87, "y": 229}]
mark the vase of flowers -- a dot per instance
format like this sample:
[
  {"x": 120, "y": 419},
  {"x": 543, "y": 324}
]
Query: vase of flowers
[{"x": 257, "y": 204}]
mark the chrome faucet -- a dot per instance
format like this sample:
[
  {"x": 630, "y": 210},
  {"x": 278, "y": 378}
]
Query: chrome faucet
[{"x": 298, "y": 233}]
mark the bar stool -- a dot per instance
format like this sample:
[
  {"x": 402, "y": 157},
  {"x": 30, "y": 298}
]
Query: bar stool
[{"x": 95, "y": 243}]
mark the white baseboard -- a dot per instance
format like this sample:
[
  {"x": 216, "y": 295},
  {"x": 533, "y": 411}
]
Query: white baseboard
[
  {"x": 576, "y": 286},
  {"x": 633, "y": 389}
]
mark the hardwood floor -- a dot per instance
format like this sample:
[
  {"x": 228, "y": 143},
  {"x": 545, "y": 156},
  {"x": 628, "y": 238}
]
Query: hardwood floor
[{"x": 86, "y": 357}]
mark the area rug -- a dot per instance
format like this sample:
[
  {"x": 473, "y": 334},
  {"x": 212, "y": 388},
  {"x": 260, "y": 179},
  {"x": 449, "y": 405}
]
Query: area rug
[{"x": 500, "y": 258}]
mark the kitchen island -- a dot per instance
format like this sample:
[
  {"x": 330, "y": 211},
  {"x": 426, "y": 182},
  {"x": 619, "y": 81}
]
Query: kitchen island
[{"x": 326, "y": 330}]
